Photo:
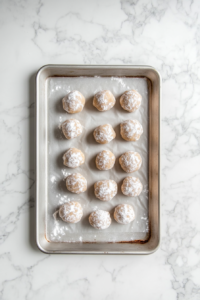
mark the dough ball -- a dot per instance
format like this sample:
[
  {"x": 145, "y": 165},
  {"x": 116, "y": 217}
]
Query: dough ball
[
  {"x": 105, "y": 160},
  {"x": 105, "y": 190},
  {"x": 71, "y": 212},
  {"x": 73, "y": 158},
  {"x": 104, "y": 100},
  {"x": 130, "y": 161},
  {"x": 131, "y": 186},
  {"x": 130, "y": 100},
  {"x": 76, "y": 183},
  {"x": 73, "y": 102},
  {"x": 104, "y": 134},
  {"x": 131, "y": 130},
  {"x": 100, "y": 219},
  {"x": 124, "y": 214},
  {"x": 71, "y": 128}
]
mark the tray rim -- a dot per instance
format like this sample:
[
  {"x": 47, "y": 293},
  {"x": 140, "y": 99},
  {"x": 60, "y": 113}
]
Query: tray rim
[{"x": 99, "y": 67}]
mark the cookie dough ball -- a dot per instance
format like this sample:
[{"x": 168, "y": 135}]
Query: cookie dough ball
[
  {"x": 104, "y": 100},
  {"x": 105, "y": 160},
  {"x": 100, "y": 219},
  {"x": 71, "y": 212},
  {"x": 124, "y": 214},
  {"x": 73, "y": 158},
  {"x": 71, "y": 128},
  {"x": 130, "y": 161},
  {"x": 73, "y": 102},
  {"x": 76, "y": 183},
  {"x": 104, "y": 134},
  {"x": 130, "y": 100},
  {"x": 105, "y": 190},
  {"x": 131, "y": 186},
  {"x": 131, "y": 130}
]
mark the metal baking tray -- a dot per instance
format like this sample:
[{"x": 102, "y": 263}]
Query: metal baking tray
[{"x": 154, "y": 90}]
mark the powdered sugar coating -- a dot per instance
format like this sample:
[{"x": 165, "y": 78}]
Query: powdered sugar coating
[
  {"x": 104, "y": 134},
  {"x": 73, "y": 102},
  {"x": 105, "y": 160},
  {"x": 124, "y": 214},
  {"x": 71, "y": 212},
  {"x": 104, "y": 100},
  {"x": 130, "y": 100},
  {"x": 71, "y": 128},
  {"x": 131, "y": 186},
  {"x": 105, "y": 190},
  {"x": 130, "y": 161},
  {"x": 131, "y": 130},
  {"x": 73, "y": 158},
  {"x": 76, "y": 183},
  {"x": 100, "y": 219}
]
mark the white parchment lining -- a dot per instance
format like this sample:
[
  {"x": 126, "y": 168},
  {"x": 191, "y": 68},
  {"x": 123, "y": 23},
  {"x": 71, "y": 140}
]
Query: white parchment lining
[{"x": 90, "y": 118}]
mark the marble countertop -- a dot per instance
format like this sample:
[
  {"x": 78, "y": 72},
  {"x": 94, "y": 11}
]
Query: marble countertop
[{"x": 162, "y": 34}]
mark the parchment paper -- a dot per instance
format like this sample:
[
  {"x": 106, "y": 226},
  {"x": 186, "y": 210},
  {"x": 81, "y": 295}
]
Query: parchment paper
[{"x": 90, "y": 118}]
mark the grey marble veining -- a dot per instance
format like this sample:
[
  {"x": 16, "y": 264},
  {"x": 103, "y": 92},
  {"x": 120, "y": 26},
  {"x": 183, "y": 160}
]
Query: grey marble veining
[{"x": 163, "y": 34}]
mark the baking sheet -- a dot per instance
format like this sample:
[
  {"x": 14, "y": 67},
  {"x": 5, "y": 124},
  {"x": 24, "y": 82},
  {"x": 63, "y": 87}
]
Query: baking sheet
[{"x": 90, "y": 118}]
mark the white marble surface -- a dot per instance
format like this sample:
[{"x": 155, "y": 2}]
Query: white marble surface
[{"x": 163, "y": 34}]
